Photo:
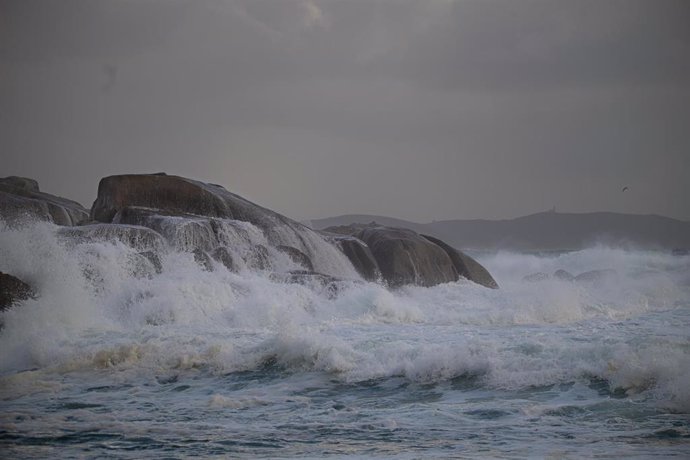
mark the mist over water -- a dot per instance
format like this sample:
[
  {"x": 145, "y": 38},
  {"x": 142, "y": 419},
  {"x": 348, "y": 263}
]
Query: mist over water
[{"x": 115, "y": 359}]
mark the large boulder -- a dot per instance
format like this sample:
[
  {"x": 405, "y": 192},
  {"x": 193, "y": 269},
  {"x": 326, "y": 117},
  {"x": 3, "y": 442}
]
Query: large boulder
[
  {"x": 465, "y": 265},
  {"x": 405, "y": 257},
  {"x": 206, "y": 215},
  {"x": 563, "y": 275},
  {"x": 172, "y": 194},
  {"x": 402, "y": 256},
  {"x": 535, "y": 277},
  {"x": 597, "y": 276},
  {"x": 20, "y": 197},
  {"x": 13, "y": 291},
  {"x": 360, "y": 256}
]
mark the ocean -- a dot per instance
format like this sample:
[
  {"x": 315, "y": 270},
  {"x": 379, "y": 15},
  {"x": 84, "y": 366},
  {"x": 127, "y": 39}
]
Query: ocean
[{"x": 114, "y": 362}]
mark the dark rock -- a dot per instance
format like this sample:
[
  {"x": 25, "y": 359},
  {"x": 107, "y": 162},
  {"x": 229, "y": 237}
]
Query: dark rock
[
  {"x": 563, "y": 275},
  {"x": 597, "y": 276},
  {"x": 13, "y": 291},
  {"x": 405, "y": 257},
  {"x": 178, "y": 196},
  {"x": 222, "y": 255},
  {"x": 20, "y": 197},
  {"x": 535, "y": 277},
  {"x": 465, "y": 265},
  {"x": 297, "y": 257},
  {"x": 175, "y": 195},
  {"x": 203, "y": 259},
  {"x": 361, "y": 258}
]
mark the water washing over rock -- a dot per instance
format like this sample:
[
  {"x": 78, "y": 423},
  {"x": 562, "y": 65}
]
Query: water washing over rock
[{"x": 156, "y": 216}]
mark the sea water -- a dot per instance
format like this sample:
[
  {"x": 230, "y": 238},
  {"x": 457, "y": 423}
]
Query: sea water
[{"x": 107, "y": 363}]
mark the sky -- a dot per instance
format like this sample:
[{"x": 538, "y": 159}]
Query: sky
[{"x": 421, "y": 110}]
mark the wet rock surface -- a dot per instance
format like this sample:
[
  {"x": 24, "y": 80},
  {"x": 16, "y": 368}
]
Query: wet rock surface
[
  {"x": 13, "y": 291},
  {"x": 21, "y": 198},
  {"x": 155, "y": 213}
]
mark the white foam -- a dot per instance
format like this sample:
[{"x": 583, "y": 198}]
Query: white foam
[{"x": 96, "y": 312}]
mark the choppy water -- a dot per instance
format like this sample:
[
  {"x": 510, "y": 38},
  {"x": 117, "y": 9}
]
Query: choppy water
[{"x": 188, "y": 362}]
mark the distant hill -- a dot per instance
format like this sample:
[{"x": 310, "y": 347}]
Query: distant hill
[{"x": 544, "y": 231}]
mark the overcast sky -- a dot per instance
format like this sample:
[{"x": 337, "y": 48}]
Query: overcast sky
[{"x": 422, "y": 110}]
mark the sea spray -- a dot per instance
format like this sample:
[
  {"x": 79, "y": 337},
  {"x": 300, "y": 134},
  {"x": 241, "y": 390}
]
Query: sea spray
[{"x": 201, "y": 354}]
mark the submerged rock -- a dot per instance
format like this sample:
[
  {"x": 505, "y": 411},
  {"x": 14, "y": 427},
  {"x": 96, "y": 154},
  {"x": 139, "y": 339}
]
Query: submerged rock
[
  {"x": 20, "y": 198},
  {"x": 329, "y": 286},
  {"x": 535, "y": 277},
  {"x": 13, "y": 291},
  {"x": 597, "y": 276},
  {"x": 563, "y": 275}
]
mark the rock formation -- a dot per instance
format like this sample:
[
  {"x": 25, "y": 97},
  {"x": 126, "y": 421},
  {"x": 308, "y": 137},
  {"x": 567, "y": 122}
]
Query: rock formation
[
  {"x": 21, "y": 198},
  {"x": 403, "y": 256},
  {"x": 563, "y": 275},
  {"x": 13, "y": 291},
  {"x": 156, "y": 213},
  {"x": 465, "y": 265},
  {"x": 193, "y": 214}
]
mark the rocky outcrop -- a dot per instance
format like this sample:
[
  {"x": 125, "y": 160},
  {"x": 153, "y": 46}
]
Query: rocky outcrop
[
  {"x": 563, "y": 275},
  {"x": 13, "y": 291},
  {"x": 597, "y": 276},
  {"x": 156, "y": 213},
  {"x": 405, "y": 257},
  {"x": 592, "y": 276},
  {"x": 402, "y": 256},
  {"x": 535, "y": 277},
  {"x": 465, "y": 265},
  {"x": 20, "y": 198},
  {"x": 206, "y": 216}
]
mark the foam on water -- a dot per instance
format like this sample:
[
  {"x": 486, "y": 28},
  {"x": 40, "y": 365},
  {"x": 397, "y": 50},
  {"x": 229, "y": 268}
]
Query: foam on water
[{"x": 99, "y": 313}]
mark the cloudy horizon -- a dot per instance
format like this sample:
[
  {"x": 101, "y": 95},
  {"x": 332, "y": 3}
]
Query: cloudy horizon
[{"x": 420, "y": 110}]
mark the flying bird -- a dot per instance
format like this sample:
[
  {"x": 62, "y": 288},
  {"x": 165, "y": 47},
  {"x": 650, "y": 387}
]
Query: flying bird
[
  {"x": 110, "y": 72},
  {"x": 625, "y": 189}
]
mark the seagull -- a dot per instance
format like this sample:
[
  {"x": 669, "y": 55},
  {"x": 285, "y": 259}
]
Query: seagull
[{"x": 110, "y": 72}]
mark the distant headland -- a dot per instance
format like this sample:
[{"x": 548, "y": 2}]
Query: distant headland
[{"x": 544, "y": 231}]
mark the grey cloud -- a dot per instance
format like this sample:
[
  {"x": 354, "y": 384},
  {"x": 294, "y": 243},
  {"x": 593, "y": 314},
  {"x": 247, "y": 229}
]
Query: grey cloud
[{"x": 420, "y": 109}]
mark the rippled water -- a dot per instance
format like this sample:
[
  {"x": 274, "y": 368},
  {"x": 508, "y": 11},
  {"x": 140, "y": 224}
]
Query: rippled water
[{"x": 190, "y": 363}]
